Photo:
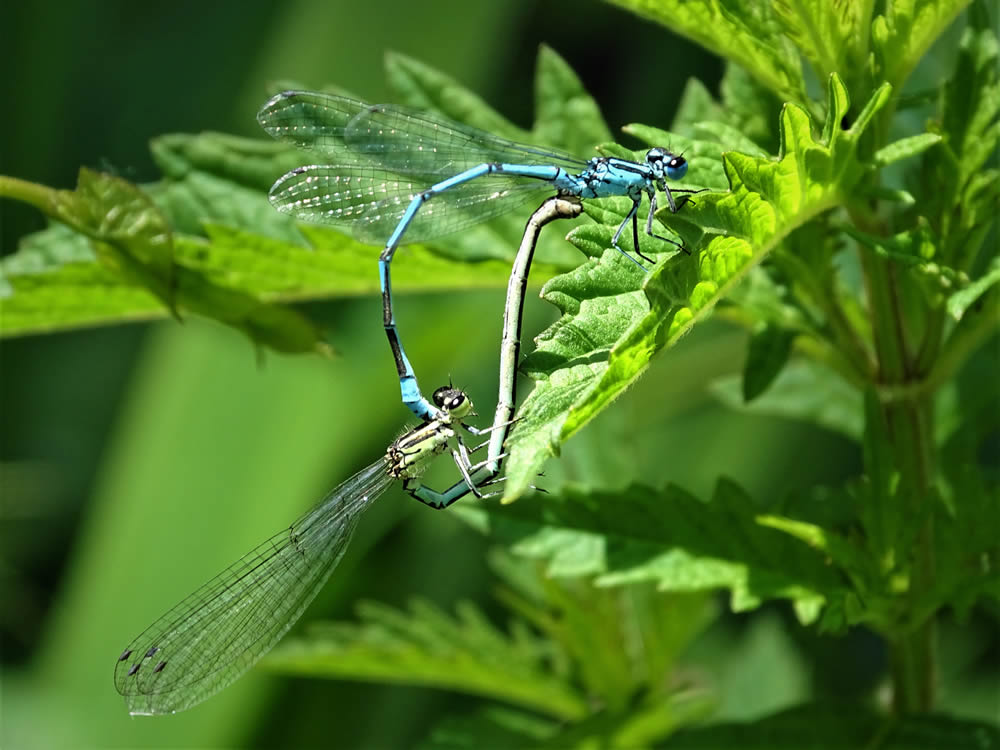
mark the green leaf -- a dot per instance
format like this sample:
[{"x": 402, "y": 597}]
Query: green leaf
[
  {"x": 902, "y": 36},
  {"x": 85, "y": 294},
  {"x": 247, "y": 162},
  {"x": 582, "y": 631},
  {"x": 730, "y": 135},
  {"x": 830, "y": 543},
  {"x": 668, "y": 537},
  {"x": 818, "y": 303},
  {"x": 749, "y": 106},
  {"x": 71, "y": 295},
  {"x": 425, "y": 646},
  {"x": 53, "y": 283},
  {"x": 747, "y": 34},
  {"x": 696, "y": 105},
  {"x": 567, "y": 118},
  {"x": 615, "y": 319},
  {"x": 331, "y": 265},
  {"x": 904, "y": 148},
  {"x": 491, "y": 726},
  {"x": 220, "y": 180},
  {"x": 916, "y": 250},
  {"x": 216, "y": 183},
  {"x": 825, "y": 726},
  {"x": 565, "y": 114},
  {"x": 879, "y": 562},
  {"x": 804, "y": 391},
  {"x": 972, "y": 102},
  {"x": 640, "y": 726},
  {"x": 767, "y": 355},
  {"x": 130, "y": 236},
  {"x": 588, "y": 624},
  {"x": 765, "y": 297},
  {"x": 495, "y": 727},
  {"x": 913, "y": 247},
  {"x": 200, "y": 198},
  {"x": 831, "y": 36},
  {"x": 959, "y": 302},
  {"x": 966, "y": 543},
  {"x": 960, "y": 186},
  {"x": 743, "y": 119},
  {"x": 420, "y": 86}
]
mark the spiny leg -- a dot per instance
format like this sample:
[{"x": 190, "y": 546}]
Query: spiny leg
[
  {"x": 461, "y": 457},
  {"x": 441, "y": 500},
  {"x": 473, "y": 476},
  {"x": 635, "y": 235},
  {"x": 498, "y": 480},
  {"x": 683, "y": 200},
  {"x": 621, "y": 228},
  {"x": 649, "y": 223}
]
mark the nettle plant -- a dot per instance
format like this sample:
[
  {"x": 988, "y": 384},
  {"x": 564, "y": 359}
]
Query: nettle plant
[{"x": 861, "y": 260}]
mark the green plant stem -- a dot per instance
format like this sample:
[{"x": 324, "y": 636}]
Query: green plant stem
[
  {"x": 32, "y": 193},
  {"x": 930, "y": 346},
  {"x": 913, "y": 643},
  {"x": 910, "y": 427}
]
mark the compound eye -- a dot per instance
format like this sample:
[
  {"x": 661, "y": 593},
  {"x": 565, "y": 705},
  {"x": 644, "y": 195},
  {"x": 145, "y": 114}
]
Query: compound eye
[
  {"x": 677, "y": 167},
  {"x": 448, "y": 398}
]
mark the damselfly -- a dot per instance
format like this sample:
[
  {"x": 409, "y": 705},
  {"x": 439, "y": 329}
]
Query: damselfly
[
  {"x": 393, "y": 171},
  {"x": 221, "y": 630}
]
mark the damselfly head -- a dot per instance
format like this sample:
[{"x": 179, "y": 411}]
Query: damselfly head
[
  {"x": 453, "y": 401},
  {"x": 663, "y": 163}
]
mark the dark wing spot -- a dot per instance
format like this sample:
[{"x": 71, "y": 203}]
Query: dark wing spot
[
  {"x": 133, "y": 669},
  {"x": 159, "y": 667},
  {"x": 125, "y": 654}
]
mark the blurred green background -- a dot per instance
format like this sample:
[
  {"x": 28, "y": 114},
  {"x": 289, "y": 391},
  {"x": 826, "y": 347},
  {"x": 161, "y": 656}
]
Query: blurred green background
[{"x": 138, "y": 461}]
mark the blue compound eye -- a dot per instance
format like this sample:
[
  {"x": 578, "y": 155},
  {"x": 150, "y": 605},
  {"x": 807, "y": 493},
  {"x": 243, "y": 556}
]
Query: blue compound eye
[{"x": 677, "y": 167}]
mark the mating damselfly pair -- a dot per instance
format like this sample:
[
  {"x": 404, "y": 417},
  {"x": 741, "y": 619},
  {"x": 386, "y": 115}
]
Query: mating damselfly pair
[
  {"x": 213, "y": 636},
  {"x": 394, "y": 172}
]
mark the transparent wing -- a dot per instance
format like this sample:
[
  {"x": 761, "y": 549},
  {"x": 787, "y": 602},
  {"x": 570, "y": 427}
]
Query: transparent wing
[
  {"x": 217, "y": 633},
  {"x": 405, "y": 141},
  {"x": 369, "y": 202}
]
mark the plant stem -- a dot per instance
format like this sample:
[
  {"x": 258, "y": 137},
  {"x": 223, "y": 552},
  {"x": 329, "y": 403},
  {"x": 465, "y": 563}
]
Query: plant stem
[
  {"x": 32, "y": 193},
  {"x": 910, "y": 432},
  {"x": 913, "y": 644}
]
